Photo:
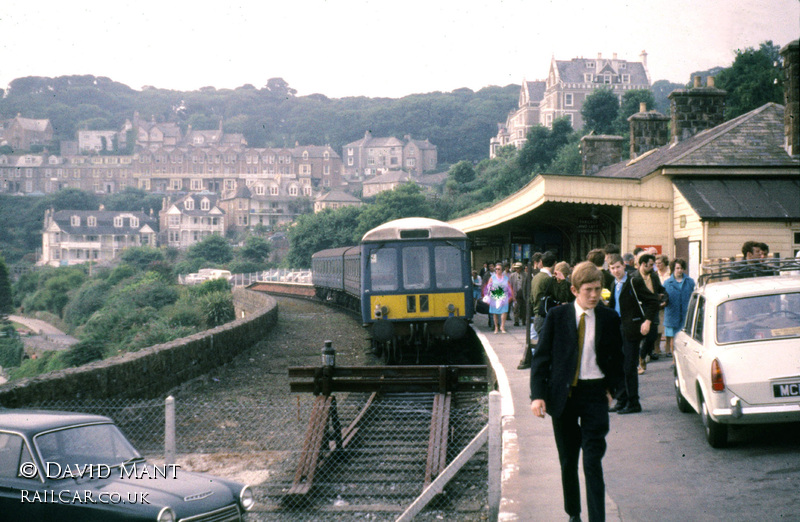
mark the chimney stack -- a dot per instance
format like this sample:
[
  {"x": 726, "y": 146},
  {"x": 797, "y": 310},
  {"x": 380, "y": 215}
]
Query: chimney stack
[
  {"x": 695, "y": 110},
  {"x": 600, "y": 151},
  {"x": 649, "y": 130},
  {"x": 791, "y": 93}
]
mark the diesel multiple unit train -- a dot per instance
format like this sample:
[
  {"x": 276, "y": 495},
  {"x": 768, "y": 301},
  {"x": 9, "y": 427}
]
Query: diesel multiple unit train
[{"x": 411, "y": 280}]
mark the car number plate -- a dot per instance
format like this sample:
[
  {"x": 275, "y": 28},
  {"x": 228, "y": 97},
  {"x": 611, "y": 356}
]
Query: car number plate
[{"x": 791, "y": 389}]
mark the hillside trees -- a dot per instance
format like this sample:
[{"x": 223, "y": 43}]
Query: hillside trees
[
  {"x": 327, "y": 229},
  {"x": 6, "y": 296},
  {"x": 754, "y": 78}
]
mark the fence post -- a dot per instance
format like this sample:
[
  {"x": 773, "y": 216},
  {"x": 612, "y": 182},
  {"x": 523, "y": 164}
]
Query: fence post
[
  {"x": 169, "y": 430},
  {"x": 495, "y": 454}
]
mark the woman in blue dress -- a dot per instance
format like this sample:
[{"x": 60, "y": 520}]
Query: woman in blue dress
[
  {"x": 498, "y": 294},
  {"x": 679, "y": 287}
]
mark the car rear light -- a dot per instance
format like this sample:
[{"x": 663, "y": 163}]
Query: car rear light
[{"x": 717, "y": 381}]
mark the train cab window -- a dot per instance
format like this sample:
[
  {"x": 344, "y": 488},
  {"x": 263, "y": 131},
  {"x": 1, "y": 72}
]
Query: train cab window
[
  {"x": 416, "y": 268},
  {"x": 448, "y": 266},
  {"x": 383, "y": 269}
]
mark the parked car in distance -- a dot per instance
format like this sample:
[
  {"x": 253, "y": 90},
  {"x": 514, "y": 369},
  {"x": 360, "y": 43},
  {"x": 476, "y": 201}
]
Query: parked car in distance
[
  {"x": 60, "y": 466},
  {"x": 737, "y": 359}
]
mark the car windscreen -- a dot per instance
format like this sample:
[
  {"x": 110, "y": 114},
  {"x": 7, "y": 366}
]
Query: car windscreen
[
  {"x": 80, "y": 445},
  {"x": 448, "y": 266},
  {"x": 756, "y": 318}
]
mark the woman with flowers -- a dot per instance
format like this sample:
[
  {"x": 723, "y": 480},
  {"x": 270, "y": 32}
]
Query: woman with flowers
[{"x": 498, "y": 295}]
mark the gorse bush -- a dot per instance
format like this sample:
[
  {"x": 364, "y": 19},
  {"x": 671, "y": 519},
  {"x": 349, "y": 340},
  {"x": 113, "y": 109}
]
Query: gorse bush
[{"x": 84, "y": 352}]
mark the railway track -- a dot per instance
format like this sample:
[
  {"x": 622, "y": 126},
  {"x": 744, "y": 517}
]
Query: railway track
[{"x": 393, "y": 453}]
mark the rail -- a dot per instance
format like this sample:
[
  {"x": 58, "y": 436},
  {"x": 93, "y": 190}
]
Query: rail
[{"x": 325, "y": 436}]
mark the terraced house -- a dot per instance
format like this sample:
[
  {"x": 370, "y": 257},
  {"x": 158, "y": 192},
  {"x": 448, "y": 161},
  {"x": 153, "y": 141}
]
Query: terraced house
[{"x": 166, "y": 161}]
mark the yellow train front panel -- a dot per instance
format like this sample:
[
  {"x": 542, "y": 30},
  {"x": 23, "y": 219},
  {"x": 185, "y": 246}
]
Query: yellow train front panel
[{"x": 418, "y": 306}]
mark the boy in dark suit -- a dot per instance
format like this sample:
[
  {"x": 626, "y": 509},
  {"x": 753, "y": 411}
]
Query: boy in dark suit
[{"x": 574, "y": 372}]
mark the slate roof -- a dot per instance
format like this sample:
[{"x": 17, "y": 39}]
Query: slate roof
[
  {"x": 198, "y": 197},
  {"x": 339, "y": 197},
  {"x": 314, "y": 151},
  {"x": 536, "y": 90},
  {"x": 423, "y": 144},
  {"x": 105, "y": 222},
  {"x": 736, "y": 199},
  {"x": 393, "y": 176},
  {"x": 753, "y": 140},
  {"x": 572, "y": 71},
  {"x": 33, "y": 124}
]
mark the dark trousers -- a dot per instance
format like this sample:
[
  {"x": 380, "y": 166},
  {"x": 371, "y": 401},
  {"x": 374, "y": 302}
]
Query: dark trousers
[
  {"x": 629, "y": 389},
  {"x": 583, "y": 426},
  {"x": 648, "y": 344},
  {"x": 538, "y": 323}
]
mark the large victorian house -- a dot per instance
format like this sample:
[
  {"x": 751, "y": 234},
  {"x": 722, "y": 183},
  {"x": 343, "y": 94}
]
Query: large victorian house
[
  {"x": 562, "y": 94},
  {"x": 79, "y": 236},
  {"x": 190, "y": 219},
  {"x": 371, "y": 156}
]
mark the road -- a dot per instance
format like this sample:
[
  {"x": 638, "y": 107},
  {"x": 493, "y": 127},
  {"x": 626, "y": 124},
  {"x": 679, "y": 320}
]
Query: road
[
  {"x": 46, "y": 336},
  {"x": 659, "y": 466}
]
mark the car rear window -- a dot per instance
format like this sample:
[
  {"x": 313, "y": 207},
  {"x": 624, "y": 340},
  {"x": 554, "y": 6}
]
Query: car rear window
[{"x": 775, "y": 316}]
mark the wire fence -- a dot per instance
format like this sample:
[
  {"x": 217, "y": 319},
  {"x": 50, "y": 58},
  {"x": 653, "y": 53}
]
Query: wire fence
[{"x": 368, "y": 459}]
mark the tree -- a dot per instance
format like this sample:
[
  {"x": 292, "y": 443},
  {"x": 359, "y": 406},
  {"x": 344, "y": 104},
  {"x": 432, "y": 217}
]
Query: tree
[
  {"x": 327, "y": 229},
  {"x": 255, "y": 249},
  {"x": 404, "y": 201},
  {"x": 462, "y": 172},
  {"x": 600, "y": 110},
  {"x": 214, "y": 249},
  {"x": 6, "y": 296},
  {"x": 630, "y": 106},
  {"x": 755, "y": 78},
  {"x": 142, "y": 257}
]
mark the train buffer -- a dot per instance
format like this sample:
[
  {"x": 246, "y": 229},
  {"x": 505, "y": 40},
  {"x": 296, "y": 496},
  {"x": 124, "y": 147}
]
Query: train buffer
[{"x": 325, "y": 435}]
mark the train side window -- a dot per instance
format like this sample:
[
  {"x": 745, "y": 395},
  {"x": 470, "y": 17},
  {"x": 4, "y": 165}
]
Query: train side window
[
  {"x": 383, "y": 269},
  {"x": 448, "y": 266},
  {"x": 416, "y": 268}
]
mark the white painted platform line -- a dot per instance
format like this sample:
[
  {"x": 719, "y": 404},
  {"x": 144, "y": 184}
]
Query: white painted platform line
[{"x": 510, "y": 442}]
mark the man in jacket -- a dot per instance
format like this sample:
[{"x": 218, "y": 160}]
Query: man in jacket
[
  {"x": 637, "y": 308},
  {"x": 541, "y": 285},
  {"x": 575, "y": 369}
]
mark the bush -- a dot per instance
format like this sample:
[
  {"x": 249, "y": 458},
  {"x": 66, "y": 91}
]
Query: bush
[
  {"x": 211, "y": 286},
  {"x": 119, "y": 273},
  {"x": 183, "y": 313},
  {"x": 87, "y": 300},
  {"x": 47, "y": 362},
  {"x": 84, "y": 352},
  {"x": 218, "y": 308},
  {"x": 11, "y": 350},
  {"x": 158, "y": 333}
]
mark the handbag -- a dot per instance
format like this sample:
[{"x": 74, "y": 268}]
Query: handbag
[
  {"x": 547, "y": 302},
  {"x": 482, "y": 307}
]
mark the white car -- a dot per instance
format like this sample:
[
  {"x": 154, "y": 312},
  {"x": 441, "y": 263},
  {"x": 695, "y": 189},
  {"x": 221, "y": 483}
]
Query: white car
[{"x": 737, "y": 359}]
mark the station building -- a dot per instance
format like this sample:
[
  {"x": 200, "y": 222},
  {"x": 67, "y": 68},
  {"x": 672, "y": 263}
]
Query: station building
[{"x": 696, "y": 187}]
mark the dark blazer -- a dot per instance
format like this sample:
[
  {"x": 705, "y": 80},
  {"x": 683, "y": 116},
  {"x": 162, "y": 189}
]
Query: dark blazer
[
  {"x": 635, "y": 312},
  {"x": 556, "y": 357}
]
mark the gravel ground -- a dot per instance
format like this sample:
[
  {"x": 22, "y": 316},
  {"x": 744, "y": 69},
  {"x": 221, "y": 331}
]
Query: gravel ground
[{"x": 296, "y": 340}]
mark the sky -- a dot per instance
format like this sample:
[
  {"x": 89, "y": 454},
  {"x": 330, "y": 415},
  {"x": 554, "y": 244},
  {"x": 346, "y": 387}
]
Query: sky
[{"x": 374, "y": 48}]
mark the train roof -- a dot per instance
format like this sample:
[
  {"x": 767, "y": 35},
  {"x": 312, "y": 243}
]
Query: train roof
[
  {"x": 334, "y": 252},
  {"x": 414, "y": 228}
]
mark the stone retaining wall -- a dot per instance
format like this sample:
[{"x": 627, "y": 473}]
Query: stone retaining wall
[{"x": 152, "y": 371}]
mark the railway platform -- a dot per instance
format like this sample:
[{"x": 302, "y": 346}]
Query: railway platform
[{"x": 531, "y": 477}]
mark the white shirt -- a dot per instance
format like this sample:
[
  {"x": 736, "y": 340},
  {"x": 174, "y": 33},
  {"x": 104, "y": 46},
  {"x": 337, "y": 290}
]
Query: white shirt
[{"x": 589, "y": 368}]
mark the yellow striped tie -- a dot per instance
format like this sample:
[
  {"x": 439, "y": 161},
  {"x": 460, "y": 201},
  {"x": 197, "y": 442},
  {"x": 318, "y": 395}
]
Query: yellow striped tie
[{"x": 581, "y": 335}]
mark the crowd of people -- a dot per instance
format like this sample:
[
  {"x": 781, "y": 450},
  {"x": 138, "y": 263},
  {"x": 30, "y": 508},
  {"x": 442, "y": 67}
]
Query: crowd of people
[
  {"x": 648, "y": 291},
  {"x": 586, "y": 357}
]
